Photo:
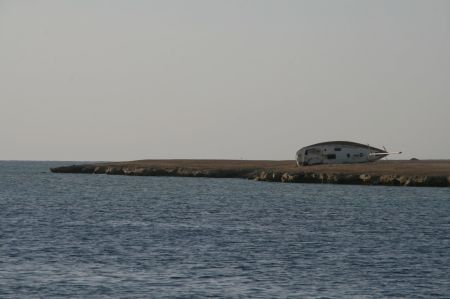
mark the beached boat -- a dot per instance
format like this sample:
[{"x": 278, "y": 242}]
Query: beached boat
[{"x": 339, "y": 152}]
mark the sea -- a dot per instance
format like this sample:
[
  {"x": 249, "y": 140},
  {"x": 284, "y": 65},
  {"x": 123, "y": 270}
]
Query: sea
[{"x": 103, "y": 236}]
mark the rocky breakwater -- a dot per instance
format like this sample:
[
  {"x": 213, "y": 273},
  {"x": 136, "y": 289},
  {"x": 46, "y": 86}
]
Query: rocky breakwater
[
  {"x": 390, "y": 173},
  {"x": 355, "y": 179},
  {"x": 156, "y": 171}
]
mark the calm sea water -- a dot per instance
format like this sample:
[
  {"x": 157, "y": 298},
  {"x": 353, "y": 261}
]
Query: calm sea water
[{"x": 99, "y": 236}]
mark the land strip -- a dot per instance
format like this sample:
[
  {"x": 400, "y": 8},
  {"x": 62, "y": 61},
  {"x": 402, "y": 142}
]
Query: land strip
[{"x": 429, "y": 173}]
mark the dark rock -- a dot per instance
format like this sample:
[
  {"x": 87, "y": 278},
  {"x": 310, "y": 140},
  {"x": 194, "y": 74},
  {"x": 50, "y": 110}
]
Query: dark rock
[
  {"x": 350, "y": 179},
  {"x": 99, "y": 169},
  {"x": 436, "y": 181},
  {"x": 276, "y": 177},
  {"x": 263, "y": 176},
  {"x": 114, "y": 171},
  {"x": 390, "y": 180},
  {"x": 74, "y": 169}
]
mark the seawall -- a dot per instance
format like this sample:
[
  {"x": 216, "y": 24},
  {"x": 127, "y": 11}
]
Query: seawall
[{"x": 423, "y": 173}]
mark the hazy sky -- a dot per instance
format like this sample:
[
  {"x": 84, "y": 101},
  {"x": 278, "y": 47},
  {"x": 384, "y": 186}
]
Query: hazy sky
[{"x": 122, "y": 80}]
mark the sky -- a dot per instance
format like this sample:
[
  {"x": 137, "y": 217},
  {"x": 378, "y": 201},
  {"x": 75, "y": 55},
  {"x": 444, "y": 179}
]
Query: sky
[{"x": 123, "y": 80}]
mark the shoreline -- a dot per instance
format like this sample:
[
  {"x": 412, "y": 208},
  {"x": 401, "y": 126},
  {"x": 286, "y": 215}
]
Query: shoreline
[{"x": 418, "y": 173}]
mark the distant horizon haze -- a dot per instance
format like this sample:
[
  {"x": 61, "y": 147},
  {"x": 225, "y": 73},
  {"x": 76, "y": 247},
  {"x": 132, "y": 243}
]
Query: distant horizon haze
[{"x": 255, "y": 80}]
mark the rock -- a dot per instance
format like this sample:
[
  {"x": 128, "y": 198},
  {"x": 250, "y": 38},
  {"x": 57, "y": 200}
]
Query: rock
[
  {"x": 391, "y": 180},
  {"x": 436, "y": 181},
  {"x": 428, "y": 181},
  {"x": 201, "y": 173},
  {"x": 333, "y": 178},
  {"x": 403, "y": 180},
  {"x": 99, "y": 169},
  {"x": 276, "y": 177},
  {"x": 139, "y": 171},
  {"x": 287, "y": 178},
  {"x": 365, "y": 179},
  {"x": 74, "y": 169},
  {"x": 351, "y": 179},
  {"x": 129, "y": 171},
  {"x": 409, "y": 182},
  {"x": 345, "y": 179},
  {"x": 416, "y": 181},
  {"x": 263, "y": 176},
  {"x": 114, "y": 171},
  {"x": 310, "y": 177}
]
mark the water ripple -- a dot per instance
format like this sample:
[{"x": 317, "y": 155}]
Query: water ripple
[{"x": 81, "y": 236}]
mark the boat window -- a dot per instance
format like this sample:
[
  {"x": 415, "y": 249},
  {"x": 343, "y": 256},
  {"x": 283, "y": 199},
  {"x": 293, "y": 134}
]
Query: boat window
[
  {"x": 331, "y": 156},
  {"x": 337, "y": 149},
  {"x": 360, "y": 154},
  {"x": 348, "y": 155}
]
